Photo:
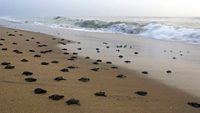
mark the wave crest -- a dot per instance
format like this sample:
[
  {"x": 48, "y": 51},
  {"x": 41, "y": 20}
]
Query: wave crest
[{"x": 157, "y": 29}]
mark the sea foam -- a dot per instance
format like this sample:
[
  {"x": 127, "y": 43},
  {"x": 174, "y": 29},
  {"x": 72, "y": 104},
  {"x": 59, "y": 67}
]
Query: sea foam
[{"x": 169, "y": 29}]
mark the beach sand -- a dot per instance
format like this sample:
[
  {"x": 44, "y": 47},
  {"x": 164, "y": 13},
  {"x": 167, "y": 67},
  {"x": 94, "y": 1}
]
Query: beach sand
[
  {"x": 154, "y": 56},
  {"x": 17, "y": 95}
]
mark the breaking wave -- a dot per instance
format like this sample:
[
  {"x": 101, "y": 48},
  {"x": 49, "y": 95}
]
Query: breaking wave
[{"x": 150, "y": 29}]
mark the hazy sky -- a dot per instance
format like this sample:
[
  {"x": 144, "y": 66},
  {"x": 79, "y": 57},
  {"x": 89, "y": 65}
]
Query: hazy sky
[{"x": 100, "y": 8}]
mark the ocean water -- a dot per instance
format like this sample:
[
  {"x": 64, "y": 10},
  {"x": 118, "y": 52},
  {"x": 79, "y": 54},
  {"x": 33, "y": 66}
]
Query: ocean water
[{"x": 163, "y": 28}]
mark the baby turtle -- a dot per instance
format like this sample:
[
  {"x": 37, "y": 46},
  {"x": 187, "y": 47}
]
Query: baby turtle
[
  {"x": 120, "y": 56},
  {"x": 40, "y": 46},
  {"x": 5, "y": 63},
  {"x": 24, "y": 60},
  {"x": 95, "y": 69},
  {"x": 194, "y": 104},
  {"x": 98, "y": 60},
  {"x": 56, "y": 97},
  {"x": 4, "y": 49},
  {"x": 40, "y": 91},
  {"x": 61, "y": 43},
  {"x": 17, "y": 51},
  {"x": 108, "y": 62},
  {"x": 64, "y": 49},
  {"x": 43, "y": 52},
  {"x": 11, "y": 34},
  {"x": 114, "y": 67},
  {"x": 9, "y": 67},
  {"x": 141, "y": 93},
  {"x": 66, "y": 53},
  {"x": 127, "y": 61},
  {"x": 136, "y": 53},
  {"x": 87, "y": 57},
  {"x": 31, "y": 50},
  {"x": 145, "y": 72},
  {"x": 44, "y": 63},
  {"x": 71, "y": 67},
  {"x": 37, "y": 42},
  {"x": 54, "y": 61},
  {"x": 14, "y": 43},
  {"x": 96, "y": 63},
  {"x": 64, "y": 70},
  {"x": 27, "y": 73},
  {"x": 121, "y": 76},
  {"x": 59, "y": 78},
  {"x": 49, "y": 51},
  {"x": 2, "y": 39},
  {"x": 118, "y": 50},
  {"x": 84, "y": 79},
  {"x": 73, "y": 101},
  {"x": 173, "y": 57},
  {"x": 37, "y": 56},
  {"x": 105, "y": 43},
  {"x": 30, "y": 79},
  {"x": 75, "y": 53},
  {"x": 169, "y": 71},
  {"x": 74, "y": 57},
  {"x": 101, "y": 93},
  {"x": 71, "y": 59}
]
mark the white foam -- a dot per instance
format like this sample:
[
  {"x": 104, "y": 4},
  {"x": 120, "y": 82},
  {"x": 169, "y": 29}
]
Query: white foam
[
  {"x": 170, "y": 32},
  {"x": 157, "y": 29},
  {"x": 11, "y": 19}
]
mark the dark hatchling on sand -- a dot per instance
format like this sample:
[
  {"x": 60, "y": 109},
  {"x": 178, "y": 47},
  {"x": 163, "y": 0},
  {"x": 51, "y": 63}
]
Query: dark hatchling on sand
[
  {"x": 27, "y": 73},
  {"x": 9, "y": 67},
  {"x": 64, "y": 70},
  {"x": 73, "y": 101},
  {"x": 194, "y": 104},
  {"x": 84, "y": 79},
  {"x": 30, "y": 79},
  {"x": 40, "y": 91},
  {"x": 5, "y": 63},
  {"x": 141, "y": 93},
  {"x": 24, "y": 60},
  {"x": 59, "y": 78},
  {"x": 121, "y": 76},
  {"x": 101, "y": 93},
  {"x": 56, "y": 97}
]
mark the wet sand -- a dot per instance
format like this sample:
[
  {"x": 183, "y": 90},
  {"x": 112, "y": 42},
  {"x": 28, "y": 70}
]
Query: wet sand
[
  {"x": 17, "y": 95},
  {"x": 154, "y": 56}
]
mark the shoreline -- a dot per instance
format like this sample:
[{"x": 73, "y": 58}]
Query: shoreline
[
  {"x": 190, "y": 60},
  {"x": 150, "y": 51},
  {"x": 121, "y": 95}
]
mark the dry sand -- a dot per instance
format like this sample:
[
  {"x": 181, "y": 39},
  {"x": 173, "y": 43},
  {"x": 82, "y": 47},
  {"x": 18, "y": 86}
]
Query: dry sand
[{"x": 17, "y": 96}]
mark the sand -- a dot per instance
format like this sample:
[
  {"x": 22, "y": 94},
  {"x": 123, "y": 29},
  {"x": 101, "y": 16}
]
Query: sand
[
  {"x": 155, "y": 56},
  {"x": 17, "y": 95}
]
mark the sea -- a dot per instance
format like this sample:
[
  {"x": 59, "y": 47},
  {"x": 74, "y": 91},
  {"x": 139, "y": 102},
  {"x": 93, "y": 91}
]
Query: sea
[{"x": 184, "y": 29}]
